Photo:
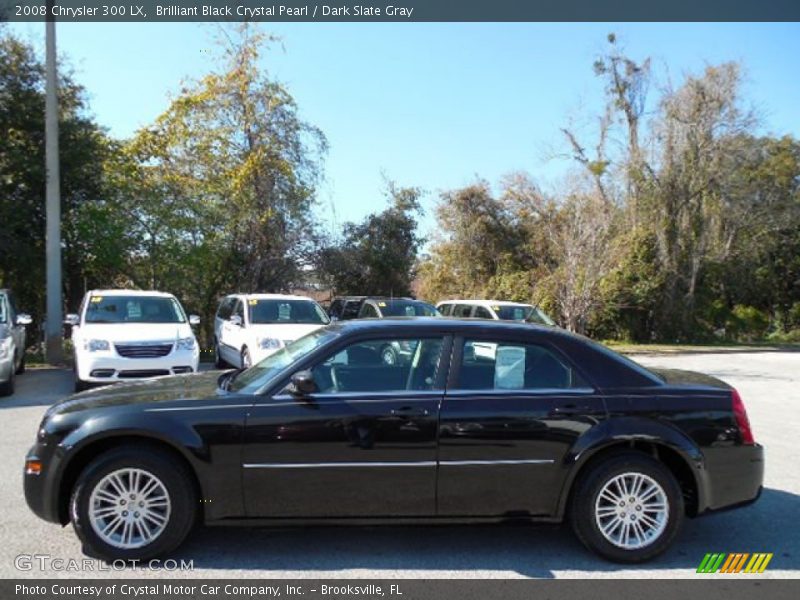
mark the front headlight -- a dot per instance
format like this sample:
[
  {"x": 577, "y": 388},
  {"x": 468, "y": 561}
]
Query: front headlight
[
  {"x": 5, "y": 344},
  {"x": 96, "y": 345},
  {"x": 268, "y": 343},
  {"x": 186, "y": 343}
]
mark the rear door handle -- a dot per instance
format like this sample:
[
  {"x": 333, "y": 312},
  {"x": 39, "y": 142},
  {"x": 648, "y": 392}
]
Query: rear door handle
[
  {"x": 408, "y": 411},
  {"x": 569, "y": 409}
]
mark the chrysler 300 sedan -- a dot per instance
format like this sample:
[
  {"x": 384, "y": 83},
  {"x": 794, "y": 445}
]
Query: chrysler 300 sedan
[{"x": 487, "y": 421}]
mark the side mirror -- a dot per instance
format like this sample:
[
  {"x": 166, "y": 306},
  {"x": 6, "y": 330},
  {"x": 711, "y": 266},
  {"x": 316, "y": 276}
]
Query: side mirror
[
  {"x": 24, "y": 319},
  {"x": 194, "y": 320},
  {"x": 302, "y": 384},
  {"x": 72, "y": 319},
  {"x": 236, "y": 320}
]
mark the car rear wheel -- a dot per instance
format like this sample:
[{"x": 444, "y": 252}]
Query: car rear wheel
[
  {"x": 628, "y": 508},
  {"x": 247, "y": 362},
  {"x": 218, "y": 362},
  {"x": 389, "y": 356},
  {"x": 21, "y": 366},
  {"x": 133, "y": 504}
]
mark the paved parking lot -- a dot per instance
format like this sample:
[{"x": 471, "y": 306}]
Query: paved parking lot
[{"x": 769, "y": 383}]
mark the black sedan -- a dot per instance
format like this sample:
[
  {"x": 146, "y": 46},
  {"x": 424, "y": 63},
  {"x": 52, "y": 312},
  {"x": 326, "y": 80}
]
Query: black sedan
[{"x": 487, "y": 421}]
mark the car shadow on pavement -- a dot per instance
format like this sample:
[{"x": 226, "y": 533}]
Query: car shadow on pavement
[
  {"x": 39, "y": 387},
  {"x": 458, "y": 551}
]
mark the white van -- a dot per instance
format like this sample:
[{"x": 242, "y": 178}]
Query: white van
[
  {"x": 121, "y": 335},
  {"x": 494, "y": 309},
  {"x": 250, "y": 327}
]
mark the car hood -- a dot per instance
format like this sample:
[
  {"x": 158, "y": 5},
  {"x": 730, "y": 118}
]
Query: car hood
[
  {"x": 681, "y": 377},
  {"x": 196, "y": 386},
  {"x": 284, "y": 331},
  {"x": 134, "y": 332}
]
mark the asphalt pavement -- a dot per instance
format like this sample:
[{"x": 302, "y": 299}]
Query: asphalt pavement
[{"x": 768, "y": 381}]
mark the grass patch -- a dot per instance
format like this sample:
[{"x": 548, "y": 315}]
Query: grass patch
[{"x": 727, "y": 347}]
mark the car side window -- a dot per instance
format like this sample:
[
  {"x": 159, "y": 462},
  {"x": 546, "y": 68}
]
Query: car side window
[
  {"x": 368, "y": 312},
  {"x": 225, "y": 308},
  {"x": 335, "y": 308},
  {"x": 482, "y": 313},
  {"x": 238, "y": 311},
  {"x": 350, "y": 310},
  {"x": 386, "y": 365},
  {"x": 491, "y": 365},
  {"x": 462, "y": 310}
]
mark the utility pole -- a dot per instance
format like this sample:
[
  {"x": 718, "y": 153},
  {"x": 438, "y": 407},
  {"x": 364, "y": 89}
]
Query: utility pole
[{"x": 53, "y": 348}]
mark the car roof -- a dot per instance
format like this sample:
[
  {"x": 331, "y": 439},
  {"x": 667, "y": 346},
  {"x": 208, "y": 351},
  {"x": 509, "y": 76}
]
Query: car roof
[
  {"x": 129, "y": 293},
  {"x": 485, "y": 302},
  {"x": 270, "y": 297},
  {"x": 448, "y": 324}
]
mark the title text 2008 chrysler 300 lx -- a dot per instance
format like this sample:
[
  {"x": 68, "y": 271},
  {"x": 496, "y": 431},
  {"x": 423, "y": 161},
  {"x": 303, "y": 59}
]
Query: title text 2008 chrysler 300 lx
[{"x": 487, "y": 421}]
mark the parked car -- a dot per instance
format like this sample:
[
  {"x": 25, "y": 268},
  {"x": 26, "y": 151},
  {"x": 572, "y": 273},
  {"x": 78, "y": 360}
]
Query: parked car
[
  {"x": 127, "y": 334},
  {"x": 554, "y": 427},
  {"x": 345, "y": 308},
  {"x": 494, "y": 309},
  {"x": 250, "y": 327},
  {"x": 398, "y": 351},
  {"x": 12, "y": 342}
]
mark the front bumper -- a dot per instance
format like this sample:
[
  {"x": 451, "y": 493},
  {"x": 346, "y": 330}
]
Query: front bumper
[
  {"x": 735, "y": 477},
  {"x": 109, "y": 367},
  {"x": 41, "y": 491}
]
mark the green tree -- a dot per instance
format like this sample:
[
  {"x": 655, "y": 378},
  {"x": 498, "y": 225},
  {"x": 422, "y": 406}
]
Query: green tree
[
  {"x": 378, "y": 255},
  {"x": 93, "y": 238}
]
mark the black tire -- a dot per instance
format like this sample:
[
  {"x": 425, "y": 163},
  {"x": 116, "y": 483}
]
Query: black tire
[
  {"x": 247, "y": 362},
  {"x": 180, "y": 488},
  {"x": 591, "y": 483},
  {"x": 7, "y": 387},
  {"x": 21, "y": 367},
  {"x": 218, "y": 362},
  {"x": 388, "y": 355}
]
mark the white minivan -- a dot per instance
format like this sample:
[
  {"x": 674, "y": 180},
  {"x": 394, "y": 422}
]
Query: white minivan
[
  {"x": 250, "y": 327},
  {"x": 121, "y": 335},
  {"x": 498, "y": 310}
]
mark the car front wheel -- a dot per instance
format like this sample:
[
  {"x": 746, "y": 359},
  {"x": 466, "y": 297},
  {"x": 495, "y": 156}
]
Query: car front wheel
[
  {"x": 628, "y": 508},
  {"x": 133, "y": 504}
]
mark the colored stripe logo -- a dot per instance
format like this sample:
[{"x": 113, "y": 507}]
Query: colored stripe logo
[{"x": 736, "y": 562}]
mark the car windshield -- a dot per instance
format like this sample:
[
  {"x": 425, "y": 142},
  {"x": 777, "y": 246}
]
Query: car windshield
[
  {"x": 2, "y": 309},
  {"x": 133, "y": 309},
  {"x": 540, "y": 318},
  {"x": 406, "y": 308},
  {"x": 286, "y": 311},
  {"x": 260, "y": 374}
]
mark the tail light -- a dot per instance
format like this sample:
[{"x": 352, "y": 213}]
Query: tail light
[{"x": 740, "y": 414}]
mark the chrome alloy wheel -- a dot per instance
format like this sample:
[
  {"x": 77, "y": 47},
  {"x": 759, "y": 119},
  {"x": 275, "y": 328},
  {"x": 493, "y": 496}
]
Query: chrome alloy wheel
[
  {"x": 129, "y": 508},
  {"x": 631, "y": 510}
]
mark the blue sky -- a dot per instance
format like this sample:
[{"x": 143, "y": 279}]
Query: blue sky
[{"x": 432, "y": 105}]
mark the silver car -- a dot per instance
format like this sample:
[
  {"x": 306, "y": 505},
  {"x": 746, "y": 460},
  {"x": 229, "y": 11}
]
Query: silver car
[{"x": 12, "y": 342}]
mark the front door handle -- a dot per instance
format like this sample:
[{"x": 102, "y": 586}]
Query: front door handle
[{"x": 408, "y": 411}]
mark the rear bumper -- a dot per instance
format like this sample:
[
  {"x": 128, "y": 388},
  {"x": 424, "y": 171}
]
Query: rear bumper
[{"x": 735, "y": 477}]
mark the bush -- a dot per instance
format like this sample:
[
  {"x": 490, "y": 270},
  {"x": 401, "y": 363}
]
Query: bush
[{"x": 747, "y": 323}]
